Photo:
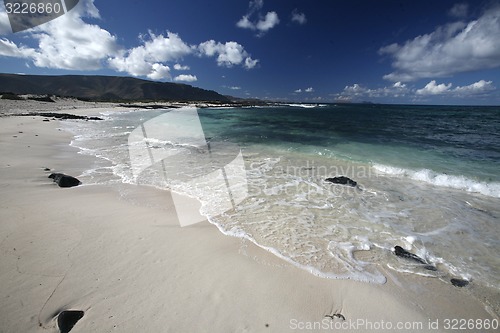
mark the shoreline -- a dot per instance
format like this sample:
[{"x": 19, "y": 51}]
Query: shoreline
[{"x": 118, "y": 253}]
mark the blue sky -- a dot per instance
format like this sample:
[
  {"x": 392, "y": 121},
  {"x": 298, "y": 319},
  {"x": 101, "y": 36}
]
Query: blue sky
[{"x": 424, "y": 52}]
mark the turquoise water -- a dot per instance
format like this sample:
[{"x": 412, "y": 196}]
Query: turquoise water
[
  {"x": 452, "y": 140},
  {"x": 428, "y": 177}
]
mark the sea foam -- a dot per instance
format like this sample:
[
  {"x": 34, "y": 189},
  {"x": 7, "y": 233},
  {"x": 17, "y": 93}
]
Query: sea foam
[{"x": 440, "y": 179}]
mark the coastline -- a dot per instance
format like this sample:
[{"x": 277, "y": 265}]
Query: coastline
[{"x": 119, "y": 254}]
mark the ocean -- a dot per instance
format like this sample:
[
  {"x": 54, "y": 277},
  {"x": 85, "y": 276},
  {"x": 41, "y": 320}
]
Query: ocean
[{"x": 428, "y": 180}]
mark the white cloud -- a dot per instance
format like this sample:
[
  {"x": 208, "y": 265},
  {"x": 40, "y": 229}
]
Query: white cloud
[
  {"x": 149, "y": 59},
  {"x": 235, "y": 88},
  {"x": 357, "y": 92},
  {"x": 270, "y": 21},
  {"x": 263, "y": 24},
  {"x": 479, "y": 87},
  {"x": 67, "y": 42},
  {"x": 4, "y": 22},
  {"x": 399, "y": 90},
  {"x": 10, "y": 49},
  {"x": 459, "y": 10},
  {"x": 158, "y": 72},
  {"x": 228, "y": 54},
  {"x": 432, "y": 88},
  {"x": 70, "y": 43},
  {"x": 250, "y": 63},
  {"x": 179, "y": 67},
  {"x": 307, "y": 90},
  {"x": 245, "y": 23},
  {"x": 299, "y": 18},
  {"x": 186, "y": 78},
  {"x": 450, "y": 49}
]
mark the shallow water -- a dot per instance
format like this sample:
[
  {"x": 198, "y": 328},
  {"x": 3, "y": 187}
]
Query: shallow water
[{"x": 428, "y": 180}]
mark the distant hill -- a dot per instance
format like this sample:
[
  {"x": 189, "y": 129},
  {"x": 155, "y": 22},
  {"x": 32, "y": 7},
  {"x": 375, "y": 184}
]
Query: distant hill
[{"x": 105, "y": 88}]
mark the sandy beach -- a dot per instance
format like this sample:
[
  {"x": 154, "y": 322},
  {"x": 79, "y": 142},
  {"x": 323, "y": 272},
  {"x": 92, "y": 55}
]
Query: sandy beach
[{"x": 118, "y": 253}]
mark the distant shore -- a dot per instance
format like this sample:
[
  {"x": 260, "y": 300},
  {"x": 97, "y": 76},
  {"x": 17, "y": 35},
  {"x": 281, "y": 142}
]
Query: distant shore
[{"x": 117, "y": 253}]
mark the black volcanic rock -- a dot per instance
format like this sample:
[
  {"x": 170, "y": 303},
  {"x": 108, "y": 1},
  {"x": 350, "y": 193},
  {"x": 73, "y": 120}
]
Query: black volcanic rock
[
  {"x": 64, "y": 180},
  {"x": 66, "y": 320},
  {"x": 400, "y": 252},
  {"x": 106, "y": 88},
  {"x": 62, "y": 116},
  {"x": 459, "y": 282},
  {"x": 342, "y": 180}
]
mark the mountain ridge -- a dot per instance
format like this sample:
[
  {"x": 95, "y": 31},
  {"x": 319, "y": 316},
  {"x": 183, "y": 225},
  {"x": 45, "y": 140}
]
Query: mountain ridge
[{"x": 105, "y": 88}]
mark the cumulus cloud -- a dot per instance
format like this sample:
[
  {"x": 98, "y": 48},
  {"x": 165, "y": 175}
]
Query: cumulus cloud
[
  {"x": 228, "y": 54},
  {"x": 476, "y": 88},
  {"x": 454, "y": 48},
  {"x": 261, "y": 25},
  {"x": 307, "y": 90},
  {"x": 4, "y": 22},
  {"x": 179, "y": 67},
  {"x": 10, "y": 49},
  {"x": 186, "y": 78},
  {"x": 158, "y": 72},
  {"x": 358, "y": 92},
  {"x": 245, "y": 23},
  {"x": 432, "y": 88},
  {"x": 67, "y": 42},
  {"x": 251, "y": 63},
  {"x": 157, "y": 50},
  {"x": 70, "y": 43},
  {"x": 299, "y": 18},
  {"x": 149, "y": 59},
  {"x": 399, "y": 90}
]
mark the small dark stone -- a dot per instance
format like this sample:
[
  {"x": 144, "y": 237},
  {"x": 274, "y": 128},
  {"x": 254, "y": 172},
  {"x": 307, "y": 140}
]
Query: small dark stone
[
  {"x": 430, "y": 268},
  {"x": 46, "y": 120},
  {"x": 342, "y": 180},
  {"x": 46, "y": 169},
  {"x": 336, "y": 315},
  {"x": 400, "y": 252},
  {"x": 459, "y": 282},
  {"x": 339, "y": 315},
  {"x": 66, "y": 320},
  {"x": 64, "y": 180}
]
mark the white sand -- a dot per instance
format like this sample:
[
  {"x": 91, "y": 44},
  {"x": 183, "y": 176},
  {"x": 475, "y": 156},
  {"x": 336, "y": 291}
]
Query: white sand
[{"x": 119, "y": 254}]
